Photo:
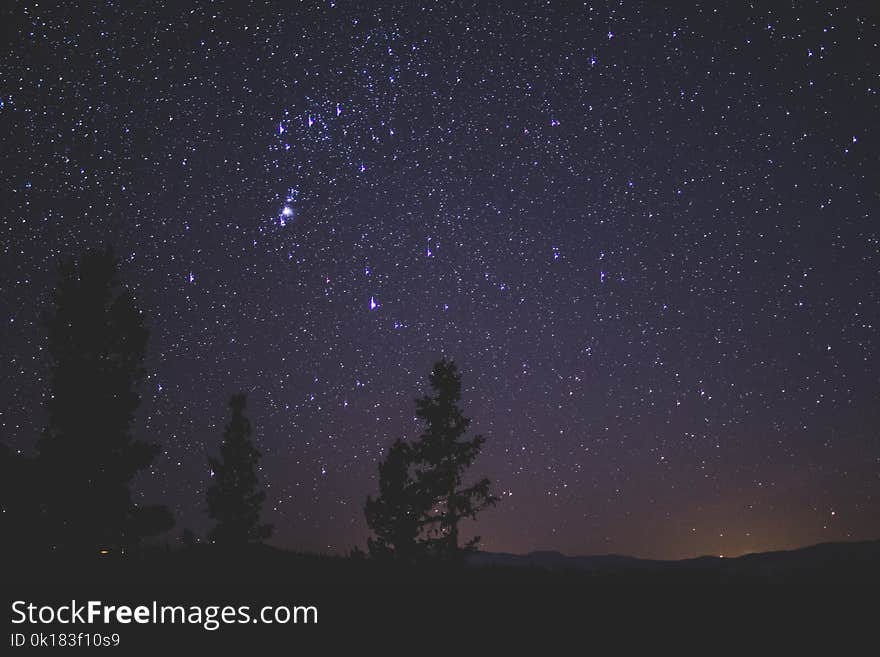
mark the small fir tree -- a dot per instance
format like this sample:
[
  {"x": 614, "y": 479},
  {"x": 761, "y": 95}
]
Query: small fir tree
[{"x": 233, "y": 499}]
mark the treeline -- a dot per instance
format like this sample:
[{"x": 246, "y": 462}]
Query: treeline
[{"x": 74, "y": 496}]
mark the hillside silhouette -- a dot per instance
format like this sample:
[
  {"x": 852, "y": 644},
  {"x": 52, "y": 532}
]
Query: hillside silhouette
[
  {"x": 780, "y": 563},
  {"x": 544, "y": 596}
]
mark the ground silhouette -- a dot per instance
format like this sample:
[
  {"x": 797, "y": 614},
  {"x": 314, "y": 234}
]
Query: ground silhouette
[{"x": 822, "y": 593}]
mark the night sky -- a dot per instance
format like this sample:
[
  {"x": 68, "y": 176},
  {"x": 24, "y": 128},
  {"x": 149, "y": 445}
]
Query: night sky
[{"x": 647, "y": 235}]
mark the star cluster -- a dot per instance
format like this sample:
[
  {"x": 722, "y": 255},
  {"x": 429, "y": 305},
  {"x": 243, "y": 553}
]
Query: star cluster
[{"x": 647, "y": 235}]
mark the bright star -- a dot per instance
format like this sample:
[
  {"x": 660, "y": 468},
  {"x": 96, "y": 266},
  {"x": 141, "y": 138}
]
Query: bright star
[{"x": 286, "y": 212}]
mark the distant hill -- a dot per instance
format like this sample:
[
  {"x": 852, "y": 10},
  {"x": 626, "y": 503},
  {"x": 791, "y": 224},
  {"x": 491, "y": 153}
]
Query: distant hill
[
  {"x": 818, "y": 556},
  {"x": 581, "y": 601}
]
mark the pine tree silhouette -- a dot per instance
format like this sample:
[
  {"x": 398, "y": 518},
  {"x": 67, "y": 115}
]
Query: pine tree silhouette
[
  {"x": 87, "y": 456},
  {"x": 397, "y": 514},
  {"x": 19, "y": 502},
  {"x": 233, "y": 500},
  {"x": 442, "y": 456},
  {"x": 421, "y": 499}
]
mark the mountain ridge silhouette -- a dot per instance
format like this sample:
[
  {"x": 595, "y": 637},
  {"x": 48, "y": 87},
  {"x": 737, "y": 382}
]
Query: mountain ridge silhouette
[{"x": 812, "y": 556}]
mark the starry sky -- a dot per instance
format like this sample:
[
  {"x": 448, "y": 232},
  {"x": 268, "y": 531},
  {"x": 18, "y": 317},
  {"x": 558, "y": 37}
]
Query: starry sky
[{"x": 647, "y": 235}]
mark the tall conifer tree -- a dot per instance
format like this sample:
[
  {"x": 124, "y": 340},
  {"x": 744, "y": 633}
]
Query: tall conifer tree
[
  {"x": 87, "y": 456},
  {"x": 422, "y": 496}
]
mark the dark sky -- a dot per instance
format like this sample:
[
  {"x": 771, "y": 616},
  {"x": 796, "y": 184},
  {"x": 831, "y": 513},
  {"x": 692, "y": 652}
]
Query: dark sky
[{"x": 648, "y": 236}]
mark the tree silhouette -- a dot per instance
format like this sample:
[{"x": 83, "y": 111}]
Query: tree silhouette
[
  {"x": 397, "y": 514},
  {"x": 19, "y": 503},
  {"x": 233, "y": 500},
  {"x": 421, "y": 499},
  {"x": 442, "y": 457},
  {"x": 87, "y": 456}
]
